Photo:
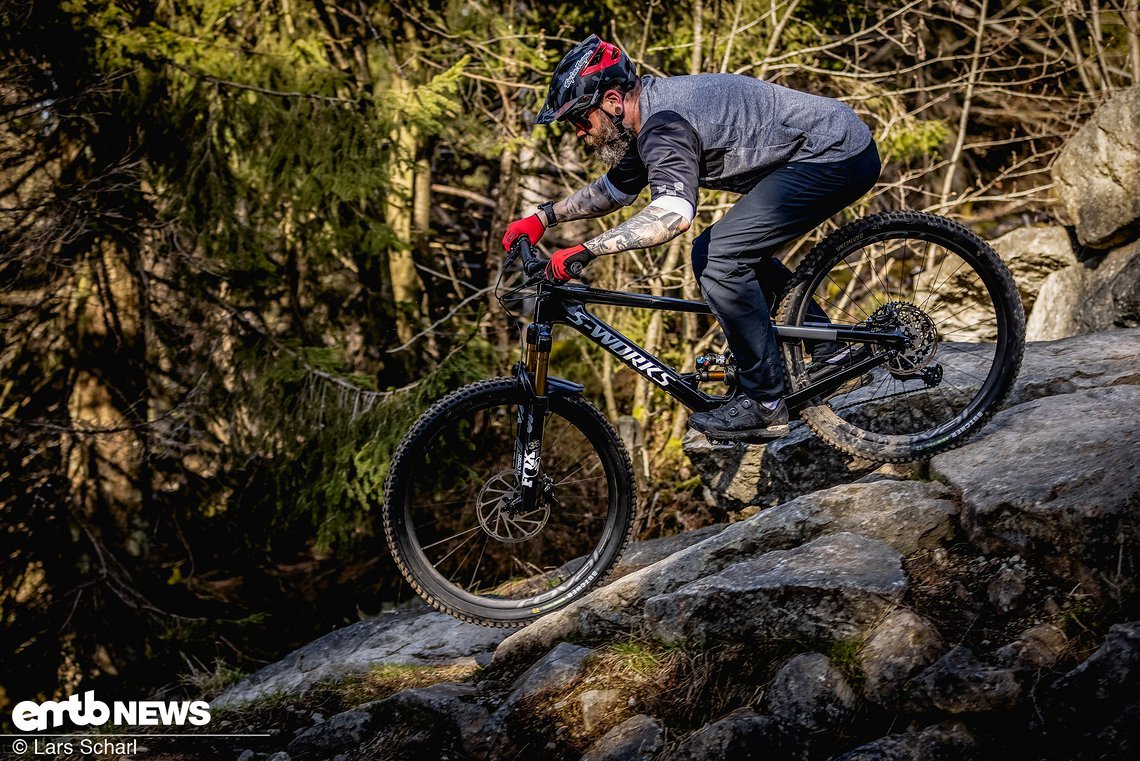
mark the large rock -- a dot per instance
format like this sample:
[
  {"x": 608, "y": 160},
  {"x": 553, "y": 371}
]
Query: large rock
[
  {"x": 1032, "y": 254},
  {"x": 641, "y": 554},
  {"x": 1097, "y": 173},
  {"x": 1083, "y": 698},
  {"x": 941, "y": 742},
  {"x": 445, "y": 716},
  {"x": 903, "y": 644},
  {"x": 743, "y": 734},
  {"x": 959, "y": 683},
  {"x": 1057, "y": 480},
  {"x": 639, "y": 738},
  {"x": 810, "y": 692},
  {"x": 341, "y": 732},
  {"x": 555, "y": 672},
  {"x": 800, "y": 463},
  {"x": 834, "y": 588},
  {"x": 1098, "y": 360},
  {"x": 420, "y": 637},
  {"x": 1091, "y": 296},
  {"x": 905, "y": 515},
  {"x": 960, "y": 304}
]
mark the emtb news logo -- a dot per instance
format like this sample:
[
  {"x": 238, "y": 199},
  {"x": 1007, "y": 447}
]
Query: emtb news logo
[{"x": 30, "y": 716}]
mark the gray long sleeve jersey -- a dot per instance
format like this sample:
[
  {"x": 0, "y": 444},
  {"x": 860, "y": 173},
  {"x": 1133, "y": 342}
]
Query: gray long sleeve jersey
[{"x": 726, "y": 132}]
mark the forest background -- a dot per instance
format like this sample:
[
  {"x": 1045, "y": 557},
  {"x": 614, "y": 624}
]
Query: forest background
[{"x": 243, "y": 243}]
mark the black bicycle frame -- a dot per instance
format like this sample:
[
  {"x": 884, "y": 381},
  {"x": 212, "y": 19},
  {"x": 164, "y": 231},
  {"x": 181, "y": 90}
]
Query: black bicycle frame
[{"x": 566, "y": 304}]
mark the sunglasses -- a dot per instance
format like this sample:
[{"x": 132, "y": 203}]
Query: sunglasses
[
  {"x": 581, "y": 119},
  {"x": 577, "y": 111}
]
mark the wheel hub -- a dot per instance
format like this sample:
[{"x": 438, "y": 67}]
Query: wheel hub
[
  {"x": 920, "y": 334},
  {"x": 500, "y": 514}
]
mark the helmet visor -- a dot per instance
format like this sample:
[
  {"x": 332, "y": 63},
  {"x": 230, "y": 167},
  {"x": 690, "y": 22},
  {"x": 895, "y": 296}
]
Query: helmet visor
[{"x": 572, "y": 111}]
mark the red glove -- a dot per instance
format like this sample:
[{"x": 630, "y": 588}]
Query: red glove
[
  {"x": 558, "y": 269},
  {"x": 532, "y": 227}
]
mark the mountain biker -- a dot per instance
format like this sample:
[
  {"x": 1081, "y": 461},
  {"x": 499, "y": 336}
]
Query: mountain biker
[{"x": 796, "y": 158}]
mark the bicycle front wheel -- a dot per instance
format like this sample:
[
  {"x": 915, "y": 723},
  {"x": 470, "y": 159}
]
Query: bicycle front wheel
[
  {"x": 455, "y": 527},
  {"x": 952, "y": 298}
]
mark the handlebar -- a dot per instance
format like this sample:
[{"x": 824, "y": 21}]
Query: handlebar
[
  {"x": 532, "y": 265},
  {"x": 535, "y": 265}
]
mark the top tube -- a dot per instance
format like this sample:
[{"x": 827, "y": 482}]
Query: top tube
[{"x": 586, "y": 295}]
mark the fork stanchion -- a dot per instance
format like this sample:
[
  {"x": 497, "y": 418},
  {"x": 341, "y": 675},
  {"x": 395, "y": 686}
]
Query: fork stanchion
[
  {"x": 531, "y": 358},
  {"x": 542, "y": 359}
]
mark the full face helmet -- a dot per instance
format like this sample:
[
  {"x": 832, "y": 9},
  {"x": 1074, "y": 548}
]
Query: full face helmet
[{"x": 582, "y": 77}]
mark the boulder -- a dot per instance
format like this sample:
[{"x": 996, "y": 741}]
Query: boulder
[
  {"x": 960, "y": 302},
  {"x": 639, "y": 738},
  {"x": 800, "y": 463},
  {"x": 419, "y": 637},
  {"x": 448, "y": 713},
  {"x": 831, "y": 589},
  {"x": 559, "y": 669},
  {"x": 1097, "y": 173},
  {"x": 641, "y": 554},
  {"x": 1056, "y": 480},
  {"x": 949, "y": 741},
  {"x": 959, "y": 683},
  {"x": 903, "y": 644},
  {"x": 1092, "y": 296},
  {"x": 555, "y": 672},
  {"x": 1097, "y": 689},
  {"x": 743, "y": 734},
  {"x": 810, "y": 692},
  {"x": 1032, "y": 254},
  {"x": 341, "y": 732},
  {"x": 1098, "y": 360},
  {"x": 906, "y": 515}
]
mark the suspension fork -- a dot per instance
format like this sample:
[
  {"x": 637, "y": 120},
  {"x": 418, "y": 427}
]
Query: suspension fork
[{"x": 532, "y": 415}]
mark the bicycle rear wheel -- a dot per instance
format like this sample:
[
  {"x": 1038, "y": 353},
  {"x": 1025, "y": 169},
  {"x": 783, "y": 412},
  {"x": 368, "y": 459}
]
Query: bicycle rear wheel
[
  {"x": 955, "y": 301},
  {"x": 456, "y": 531}
]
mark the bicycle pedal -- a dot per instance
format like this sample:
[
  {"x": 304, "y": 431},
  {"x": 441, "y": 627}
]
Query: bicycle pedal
[{"x": 732, "y": 443}]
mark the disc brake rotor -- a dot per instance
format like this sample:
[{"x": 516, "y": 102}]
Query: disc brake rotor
[
  {"x": 499, "y": 514},
  {"x": 920, "y": 332}
]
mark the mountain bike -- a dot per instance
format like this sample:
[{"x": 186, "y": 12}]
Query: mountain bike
[{"x": 511, "y": 497}]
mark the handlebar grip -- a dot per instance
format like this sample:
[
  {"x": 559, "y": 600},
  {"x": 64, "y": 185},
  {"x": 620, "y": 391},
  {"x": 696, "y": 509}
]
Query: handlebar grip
[{"x": 532, "y": 265}]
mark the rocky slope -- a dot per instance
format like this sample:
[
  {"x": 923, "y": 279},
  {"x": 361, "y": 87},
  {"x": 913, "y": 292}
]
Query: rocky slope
[{"x": 984, "y": 606}]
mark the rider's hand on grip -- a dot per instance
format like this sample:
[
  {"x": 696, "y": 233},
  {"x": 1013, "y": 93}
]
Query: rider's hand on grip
[
  {"x": 568, "y": 263},
  {"x": 532, "y": 227}
]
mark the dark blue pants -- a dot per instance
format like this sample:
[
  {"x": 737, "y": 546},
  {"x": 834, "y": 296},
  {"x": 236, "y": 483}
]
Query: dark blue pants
[{"x": 733, "y": 260}]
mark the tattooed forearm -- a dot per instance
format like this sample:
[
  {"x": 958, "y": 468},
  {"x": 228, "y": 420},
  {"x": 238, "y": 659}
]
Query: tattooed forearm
[
  {"x": 589, "y": 202},
  {"x": 651, "y": 226}
]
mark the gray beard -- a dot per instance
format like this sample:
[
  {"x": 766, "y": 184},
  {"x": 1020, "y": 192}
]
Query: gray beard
[{"x": 613, "y": 142}]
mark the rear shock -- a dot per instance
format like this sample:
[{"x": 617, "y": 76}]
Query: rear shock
[{"x": 719, "y": 368}]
